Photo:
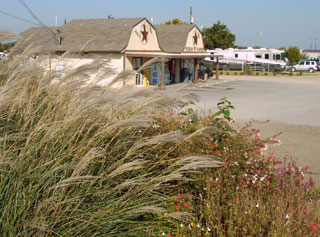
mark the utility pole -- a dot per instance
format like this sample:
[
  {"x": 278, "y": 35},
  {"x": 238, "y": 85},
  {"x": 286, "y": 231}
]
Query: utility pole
[
  {"x": 315, "y": 44},
  {"x": 310, "y": 41}
]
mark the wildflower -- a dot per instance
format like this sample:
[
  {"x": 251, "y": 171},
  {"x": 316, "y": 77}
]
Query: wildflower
[
  {"x": 198, "y": 225},
  {"x": 178, "y": 207},
  {"x": 162, "y": 191},
  {"x": 178, "y": 200},
  {"x": 314, "y": 227},
  {"x": 287, "y": 216},
  {"x": 209, "y": 230},
  {"x": 245, "y": 212},
  {"x": 257, "y": 205},
  {"x": 147, "y": 230},
  {"x": 186, "y": 204},
  {"x": 163, "y": 233},
  {"x": 180, "y": 195},
  {"x": 189, "y": 226},
  {"x": 181, "y": 225}
]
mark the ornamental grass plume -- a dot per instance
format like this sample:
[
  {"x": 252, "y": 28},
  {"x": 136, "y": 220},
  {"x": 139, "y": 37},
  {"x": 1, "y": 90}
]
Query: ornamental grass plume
[{"x": 77, "y": 159}]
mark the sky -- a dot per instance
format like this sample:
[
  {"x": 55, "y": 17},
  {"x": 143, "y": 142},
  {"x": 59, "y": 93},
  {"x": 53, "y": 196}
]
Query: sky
[{"x": 268, "y": 23}]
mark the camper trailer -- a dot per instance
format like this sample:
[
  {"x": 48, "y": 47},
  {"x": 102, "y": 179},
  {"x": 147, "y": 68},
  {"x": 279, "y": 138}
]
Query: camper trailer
[{"x": 259, "y": 59}]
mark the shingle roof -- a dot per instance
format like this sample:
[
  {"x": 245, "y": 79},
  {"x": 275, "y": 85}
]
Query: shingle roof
[
  {"x": 173, "y": 38},
  {"x": 36, "y": 37},
  {"x": 98, "y": 34},
  {"x": 311, "y": 51}
]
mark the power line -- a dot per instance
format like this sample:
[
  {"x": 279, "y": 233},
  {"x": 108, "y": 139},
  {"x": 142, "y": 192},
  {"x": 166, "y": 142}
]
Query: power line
[
  {"x": 46, "y": 28},
  {"x": 19, "y": 18}
]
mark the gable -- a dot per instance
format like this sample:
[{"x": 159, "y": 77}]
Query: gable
[
  {"x": 194, "y": 42},
  {"x": 143, "y": 38}
]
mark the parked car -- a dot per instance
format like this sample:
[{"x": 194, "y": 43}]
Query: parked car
[{"x": 305, "y": 65}]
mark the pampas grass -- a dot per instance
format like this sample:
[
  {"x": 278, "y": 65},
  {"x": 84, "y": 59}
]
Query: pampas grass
[{"x": 77, "y": 160}]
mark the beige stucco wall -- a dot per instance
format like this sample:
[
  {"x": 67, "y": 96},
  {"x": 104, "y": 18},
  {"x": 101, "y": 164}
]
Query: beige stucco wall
[
  {"x": 190, "y": 46},
  {"x": 136, "y": 43},
  {"x": 111, "y": 66}
]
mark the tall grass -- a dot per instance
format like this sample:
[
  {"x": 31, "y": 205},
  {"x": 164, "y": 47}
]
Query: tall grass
[{"x": 78, "y": 160}]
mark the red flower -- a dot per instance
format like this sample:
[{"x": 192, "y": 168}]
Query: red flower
[
  {"x": 162, "y": 191},
  {"x": 147, "y": 230},
  {"x": 180, "y": 194},
  {"x": 178, "y": 200},
  {"x": 178, "y": 207},
  {"x": 186, "y": 204},
  {"x": 314, "y": 227}
]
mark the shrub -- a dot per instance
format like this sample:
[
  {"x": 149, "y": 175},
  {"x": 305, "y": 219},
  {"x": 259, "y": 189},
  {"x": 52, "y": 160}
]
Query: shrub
[
  {"x": 221, "y": 72},
  {"x": 274, "y": 74},
  {"x": 290, "y": 73},
  {"x": 248, "y": 70},
  {"x": 236, "y": 73},
  {"x": 266, "y": 74},
  {"x": 257, "y": 73},
  {"x": 227, "y": 73},
  {"x": 300, "y": 73}
]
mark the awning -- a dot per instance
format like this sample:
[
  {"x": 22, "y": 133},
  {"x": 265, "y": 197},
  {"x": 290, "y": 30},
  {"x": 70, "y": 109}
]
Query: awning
[{"x": 170, "y": 55}]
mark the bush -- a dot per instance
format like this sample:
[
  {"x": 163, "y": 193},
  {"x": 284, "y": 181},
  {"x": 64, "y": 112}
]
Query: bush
[
  {"x": 290, "y": 73},
  {"x": 236, "y": 73},
  {"x": 257, "y": 73},
  {"x": 266, "y": 74},
  {"x": 221, "y": 72},
  {"x": 248, "y": 70},
  {"x": 300, "y": 73},
  {"x": 227, "y": 73},
  {"x": 274, "y": 74}
]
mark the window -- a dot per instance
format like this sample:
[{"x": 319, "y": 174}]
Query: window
[
  {"x": 278, "y": 57},
  {"x": 301, "y": 63},
  {"x": 307, "y": 63},
  {"x": 312, "y": 63},
  {"x": 266, "y": 56},
  {"x": 236, "y": 55},
  {"x": 137, "y": 63},
  {"x": 258, "y": 56}
]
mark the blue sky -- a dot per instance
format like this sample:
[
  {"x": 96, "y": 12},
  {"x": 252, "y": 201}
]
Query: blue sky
[{"x": 282, "y": 22}]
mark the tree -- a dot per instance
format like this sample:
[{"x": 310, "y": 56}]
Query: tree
[
  {"x": 176, "y": 21},
  {"x": 218, "y": 36},
  {"x": 293, "y": 55}
]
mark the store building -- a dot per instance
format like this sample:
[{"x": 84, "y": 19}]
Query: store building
[{"x": 129, "y": 43}]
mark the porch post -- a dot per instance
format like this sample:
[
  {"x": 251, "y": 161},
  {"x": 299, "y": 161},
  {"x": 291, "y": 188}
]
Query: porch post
[
  {"x": 124, "y": 68},
  {"x": 197, "y": 72},
  {"x": 217, "y": 69},
  {"x": 163, "y": 81}
]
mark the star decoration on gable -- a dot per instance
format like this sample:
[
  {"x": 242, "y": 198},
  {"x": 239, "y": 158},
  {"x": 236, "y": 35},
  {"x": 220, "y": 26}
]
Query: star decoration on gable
[
  {"x": 195, "y": 39},
  {"x": 144, "y": 34}
]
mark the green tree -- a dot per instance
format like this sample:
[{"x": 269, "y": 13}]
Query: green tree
[
  {"x": 176, "y": 21},
  {"x": 293, "y": 55},
  {"x": 218, "y": 36}
]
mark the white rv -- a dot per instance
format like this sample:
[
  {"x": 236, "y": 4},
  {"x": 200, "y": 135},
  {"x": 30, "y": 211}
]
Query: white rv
[{"x": 259, "y": 59}]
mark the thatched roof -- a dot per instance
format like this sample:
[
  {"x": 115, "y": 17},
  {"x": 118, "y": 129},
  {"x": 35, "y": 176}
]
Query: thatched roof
[
  {"x": 108, "y": 35},
  {"x": 173, "y": 38}
]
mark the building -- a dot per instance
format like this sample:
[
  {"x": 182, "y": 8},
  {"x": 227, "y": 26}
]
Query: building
[
  {"x": 311, "y": 53},
  {"x": 127, "y": 43}
]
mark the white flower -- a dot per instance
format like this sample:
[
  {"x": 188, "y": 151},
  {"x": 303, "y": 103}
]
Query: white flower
[
  {"x": 189, "y": 226},
  {"x": 181, "y": 225},
  {"x": 209, "y": 229},
  {"x": 163, "y": 233},
  {"x": 287, "y": 216},
  {"x": 198, "y": 225},
  {"x": 257, "y": 205}
]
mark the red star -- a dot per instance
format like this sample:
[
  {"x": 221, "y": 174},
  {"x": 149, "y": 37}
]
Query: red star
[
  {"x": 195, "y": 38},
  {"x": 144, "y": 34}
]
